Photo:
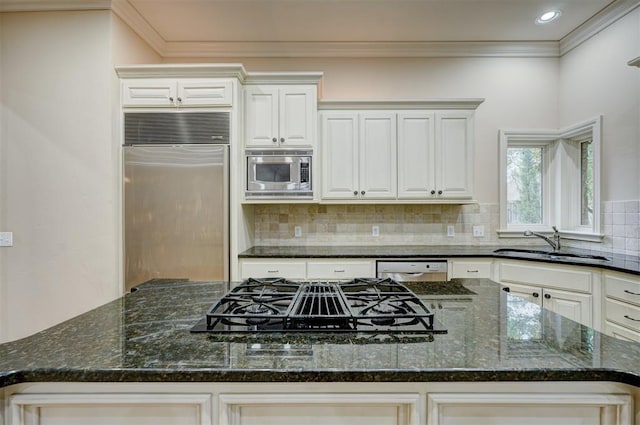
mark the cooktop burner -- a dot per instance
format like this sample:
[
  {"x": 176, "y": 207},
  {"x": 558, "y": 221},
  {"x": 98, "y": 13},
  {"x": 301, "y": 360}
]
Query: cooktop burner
[{"x": 367, "y": 305}]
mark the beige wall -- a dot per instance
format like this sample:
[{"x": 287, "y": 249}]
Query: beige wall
[
  {"x": 595, "y": 79},
  {"x": 128, "y": 47},
  {"x": 59, "y": 181}
]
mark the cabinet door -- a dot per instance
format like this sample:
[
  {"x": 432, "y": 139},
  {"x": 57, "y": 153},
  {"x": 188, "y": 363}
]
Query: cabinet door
[
  {"x": 109, "y": 409},
  {"x": 340, "y": 155},
  {"x": 454, "y": 154},
  {"x": 149, "y": 92},
  {"x": 416, "y": 150},
  {"x": 204, "y": 92},
  {"x": 297, "y": 112},
  {"x": 572, "y": 305},
  {"x": 533, "y": 294},
  {"x": 378, "y": 171},
  {"x": 262, "y": 116},
  {"x": 529, "y": 409}
]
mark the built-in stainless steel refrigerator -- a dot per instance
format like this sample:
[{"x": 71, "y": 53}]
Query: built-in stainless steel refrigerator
[{"x": 176, "y": 200}]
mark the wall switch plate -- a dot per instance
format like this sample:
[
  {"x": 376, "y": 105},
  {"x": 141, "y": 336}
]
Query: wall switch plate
[
  {"x": 451, "y": 231},
  {"x": 478, "y": 231},
  {"x": 6, "y": 238},
  {"x": 375, "y": 230},
  {"x": 297, "y": 231}
]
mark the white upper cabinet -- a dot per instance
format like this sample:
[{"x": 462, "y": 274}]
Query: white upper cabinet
[
  {"x": 378, "y": 155},
  {"x": 280, "y": 116},
  {"x": 454, "y": 154},
  {"x": 416, "y": 154},
  {"x": 358, "y": 155},
  {"x": 172, "y": 93},
  {"x": 435, "y": 155},
  {"x": 398, "y": 151}
]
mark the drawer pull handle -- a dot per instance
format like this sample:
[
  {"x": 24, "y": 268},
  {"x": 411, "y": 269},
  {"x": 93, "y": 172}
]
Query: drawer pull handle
[
  {"x": 472, "y": 271},
  {"x": 626, "y": 316},
  {"x": 339, "y": 271},
  {"x": 626, "y": 291},
  {"x": 273, "y": 271}
]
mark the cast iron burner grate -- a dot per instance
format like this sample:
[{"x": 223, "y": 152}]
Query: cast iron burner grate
[{"x": 280, "y": 305}]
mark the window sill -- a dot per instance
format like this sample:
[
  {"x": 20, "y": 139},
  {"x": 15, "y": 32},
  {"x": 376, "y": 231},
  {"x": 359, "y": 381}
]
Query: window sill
[{"x": 565, "y": 234}]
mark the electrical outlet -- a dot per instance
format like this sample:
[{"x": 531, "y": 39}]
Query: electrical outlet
[
  {"x": 297, "y": 231},
  {"x": 478, "y": 231},
  {"x": 375, "y": 230},
  {"x": 6, "y": 238},
  {"x": 451, "y": 231}
]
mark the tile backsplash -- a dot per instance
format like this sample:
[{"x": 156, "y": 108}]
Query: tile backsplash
[
  {"x": 621, "y": 228},
  {"x": 422, "y": 224},
  {"x": 397, "y": 224}
]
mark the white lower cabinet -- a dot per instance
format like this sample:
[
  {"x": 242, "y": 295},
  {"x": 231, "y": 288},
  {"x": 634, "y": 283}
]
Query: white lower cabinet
[
  {"x": 317, "y": 403},
  {"x": 529, "y": 409},
  {"x": 318, "y": 269},
  {"x": 622, "y": 306},
  {"x": 110, "y": 409},
  {"x": 561, "y": 289},
  {"x": 320, "y": 409}
]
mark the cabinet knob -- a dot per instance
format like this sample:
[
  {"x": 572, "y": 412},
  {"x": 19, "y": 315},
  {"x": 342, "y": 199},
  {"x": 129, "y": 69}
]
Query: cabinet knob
[
  {"x": 439, "y": 192},
  {"x": 535, "y": 295},
  {"x": 547, "y": 296},
  {"x": 362, "y": 193},
  {"x": 274, "y": 140},
  {"x": 179, "y": 99},
  {"x": 433, "y": 192},
  {"x": 506, "y": 289},
  {"x": 170, "y": 99},
  {"x": 282, "y": 140},
  {"x": 355, "y": 192}
]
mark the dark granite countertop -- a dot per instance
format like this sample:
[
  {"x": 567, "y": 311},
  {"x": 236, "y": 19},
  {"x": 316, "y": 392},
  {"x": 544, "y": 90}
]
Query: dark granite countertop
[
  {"x": 616, "y": 262},
  {"x": 493, "y": 336}
]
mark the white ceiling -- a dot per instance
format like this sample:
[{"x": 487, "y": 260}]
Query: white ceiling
[{"x": 362, "y": 20}]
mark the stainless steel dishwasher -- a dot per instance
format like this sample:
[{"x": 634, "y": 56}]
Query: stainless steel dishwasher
[{"x": 413, "y": 271}]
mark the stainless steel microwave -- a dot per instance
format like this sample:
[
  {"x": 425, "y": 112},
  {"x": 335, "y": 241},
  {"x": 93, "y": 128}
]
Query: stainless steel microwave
[{"x": 279, "y": 173}]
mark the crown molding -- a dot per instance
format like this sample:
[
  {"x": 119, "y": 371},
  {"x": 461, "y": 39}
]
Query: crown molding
[
  {"x": 204, "y": 70},
  {"x": 597, "y": 23},
  {"x": 52, "y": 5},
  {"x": 130, "y": 16},
  {"x": 283, "y": 78},
  {"x": 400, "y": 104},
  {"x": 313, "y": 49}
]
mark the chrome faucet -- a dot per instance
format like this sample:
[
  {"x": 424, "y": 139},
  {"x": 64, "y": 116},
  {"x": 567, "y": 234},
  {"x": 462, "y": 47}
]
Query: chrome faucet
[{"x": 555, "y": 242}]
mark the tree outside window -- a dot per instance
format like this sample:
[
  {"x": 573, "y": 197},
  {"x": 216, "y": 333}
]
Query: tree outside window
[{"x": 524, "y": 185}]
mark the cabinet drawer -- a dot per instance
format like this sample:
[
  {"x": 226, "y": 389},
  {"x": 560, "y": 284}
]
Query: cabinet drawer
[
  {"x": 479, "y": 269},
  {"x": 619, "y": 332},
  {"x": 548, "y": 276},
  {"x": 624, "y": 289},
  {"x": 286, "y": 269},
  {"x": 340, "y": 270},
  {"x": 626, "y": 315}
]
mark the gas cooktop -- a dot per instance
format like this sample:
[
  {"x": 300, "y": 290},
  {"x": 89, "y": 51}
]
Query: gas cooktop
[{"x": 367, "y": 305}]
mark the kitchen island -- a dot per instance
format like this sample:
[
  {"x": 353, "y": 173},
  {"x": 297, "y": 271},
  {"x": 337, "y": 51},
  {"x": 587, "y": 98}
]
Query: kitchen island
[{"x": 497, "y": 345}]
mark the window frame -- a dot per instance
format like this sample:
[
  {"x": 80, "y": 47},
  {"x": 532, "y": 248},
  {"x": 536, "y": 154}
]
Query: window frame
[{"x": 561, "y": 177}]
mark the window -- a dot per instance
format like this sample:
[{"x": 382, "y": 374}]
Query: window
[
  {"x": 524, "y": 185},
  {"x": 551, "y": 178},
  {"x": 586, "y": 183}
]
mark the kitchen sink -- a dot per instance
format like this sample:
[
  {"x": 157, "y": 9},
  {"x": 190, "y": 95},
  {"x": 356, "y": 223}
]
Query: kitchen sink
[{"x": 551, "y": 254}]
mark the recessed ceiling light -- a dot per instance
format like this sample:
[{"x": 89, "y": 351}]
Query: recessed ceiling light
[{"x": 549, "y": 16}]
